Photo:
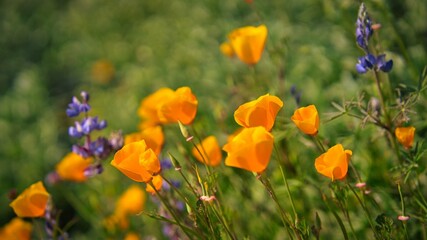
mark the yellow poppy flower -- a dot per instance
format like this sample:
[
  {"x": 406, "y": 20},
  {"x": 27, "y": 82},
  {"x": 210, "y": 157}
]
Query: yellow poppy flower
[
  {"x": 405, "y": 135},
  {"x": 307, "y": 119},
  {"x": 72, "y": 167},
  {"x": 153, "y": 136},
  {"x": 16, "y": 229},
  {"x": 210, "y": 150},
  {"x": 259, "y": 112},
  {"x": 250, "y": 149},
  {"x": 248, "y": 43},
  {"x": 137, "y": 161},
  {"x": 334, "y": 163},
  {"x": 31, "y": 202}
]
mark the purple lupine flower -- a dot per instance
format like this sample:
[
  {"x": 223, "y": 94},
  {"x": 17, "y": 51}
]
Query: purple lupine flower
[
  {"x": 364, "y": 29},
  {"x": 369, "y": 62},
  {"x": 81, "y": 150},
  {"x": 100, "y": 148},
  {"x": 91, "y": 123},
  {"x": 93, "y": 170},
  {"x": 365, "y": 63},
  {"x": 76, "y": 131},
  {"x": 51, "y": 225},
  {"x": 383, "y": 65},
  {"x": 73, "y": 109}
]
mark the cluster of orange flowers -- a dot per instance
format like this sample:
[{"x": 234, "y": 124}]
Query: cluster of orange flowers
[{"x": 249, "y": 148}]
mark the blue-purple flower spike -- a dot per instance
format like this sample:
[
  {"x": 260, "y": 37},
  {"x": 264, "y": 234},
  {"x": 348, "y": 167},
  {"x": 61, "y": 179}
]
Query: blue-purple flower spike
[
  {"x": 364, "y": 29},
  {"x": 76, "y": 107},
  {"x": 364, "y": 32}
]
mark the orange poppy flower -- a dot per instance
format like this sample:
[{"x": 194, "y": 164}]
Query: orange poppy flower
[
  {"x": 405, "y": 135},
  {"x": 153, "y": 136},
  {"x": 210, "y": 150},
  {"x": 227, "y": 49},
  {"x": 250, "y": 149},
  {"x": 148, "y": 109},
  {"x": 132, "y": 201},
  {"x": 259, "y": 112},
  {"x": 131, "y": 236},
  {"x": 181, "y": 107},
  {"x": 334, "y": 163},
  {"x": 72, "y": 167},
  {"x": 16, "y": 229},
  {"x": 137, "y": 161},
  {"x": 157, "y": 182},
  {"x": 248, "y": 43},
  {"x": 31, "y": 202},
  {"x": 307, "y": 119}
]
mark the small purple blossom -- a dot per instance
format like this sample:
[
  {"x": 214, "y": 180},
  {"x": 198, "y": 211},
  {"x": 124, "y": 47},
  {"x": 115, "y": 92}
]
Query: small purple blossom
[
  {"x": 76, "y": 107},
  {"x": 93, "y": 170},
  {"x": 86, "y": 126},
  {"x": 370, "y": 62}
]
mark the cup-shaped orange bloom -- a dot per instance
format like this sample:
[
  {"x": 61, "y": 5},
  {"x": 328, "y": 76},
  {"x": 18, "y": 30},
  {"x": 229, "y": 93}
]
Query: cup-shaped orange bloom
[
  {"x": 248, "y": 43},
  {"x": 131, "y": 236},
  {"x": 250, "y": 149},
  {"x": 148, "y": 109},
  {"x": 131, "y": 202},
  {"x": 181, "y": 107},
  {"x": 211, "y": 152},
  {"x": 16, "y": 229},
  {"x": 72, "y": 167},
  {"x": 157, "y": 182},
  {"x": 307, "y": 119},
  {"x": 405, "y": 135},
  {"x": 334, "y": 162},
  {"x": 153, "y": 136},
  {"x": 31, "y": 202},
  {"x": 137, "y": 161},
  {"x": 227, "y": 49},
  {"x": 259, "y": 112}
]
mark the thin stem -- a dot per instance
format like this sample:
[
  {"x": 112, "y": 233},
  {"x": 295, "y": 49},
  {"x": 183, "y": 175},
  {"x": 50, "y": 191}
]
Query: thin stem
[
  {"x": 185, "y": 229},
  {"x": 365, "y": 209},
  {"x": 387, "y": 116},
  {"x": 223, "y": 221},
  {"x": 337, "y": 217},
  {"x": 286, "y": 184},
  {"x": 319, "y": 143},
  {"x": 286, "y": 221},
  {"x": 402, "y": 203}
]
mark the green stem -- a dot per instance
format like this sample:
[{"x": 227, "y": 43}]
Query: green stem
[
  {"x": 337, "y": 217},
  {"x": 365, "y": 209},
  {"x": 286, "y": 184},
  {"x": 286, "y": 221},
  {"x": 223, "y": 221},
  {"x": 319, "y": 143},
  {"x": 185, "y": 229},
  {"x": 389, "y": 126}
]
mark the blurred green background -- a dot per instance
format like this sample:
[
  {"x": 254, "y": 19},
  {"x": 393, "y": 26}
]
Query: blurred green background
[{"x": 121, "y": 51}]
